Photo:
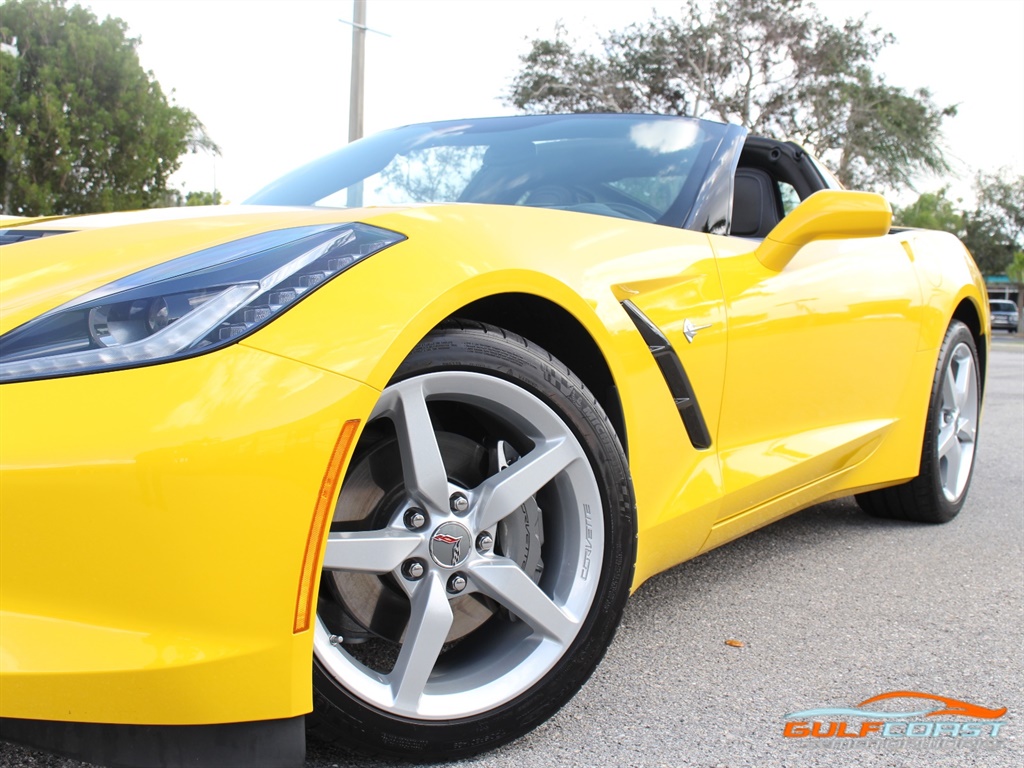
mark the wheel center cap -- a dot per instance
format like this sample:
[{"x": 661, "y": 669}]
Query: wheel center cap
[{"x": 450, "y": 544}]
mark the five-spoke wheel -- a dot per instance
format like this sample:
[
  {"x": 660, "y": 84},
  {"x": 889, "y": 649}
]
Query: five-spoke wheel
[
  {"x": 479, "y": 555},
  {"x": 958, "y": 421}
]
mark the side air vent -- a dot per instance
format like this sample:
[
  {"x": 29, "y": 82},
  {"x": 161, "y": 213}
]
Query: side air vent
[{"x": 672, "y": 370}]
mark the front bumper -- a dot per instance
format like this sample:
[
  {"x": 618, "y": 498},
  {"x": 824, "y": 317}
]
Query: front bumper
[{"x": 152, "y": 530}]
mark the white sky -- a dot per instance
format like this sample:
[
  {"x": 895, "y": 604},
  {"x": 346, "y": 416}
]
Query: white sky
[{"x": 270, "y": 78}]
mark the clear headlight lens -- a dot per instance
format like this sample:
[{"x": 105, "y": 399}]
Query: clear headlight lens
[{"x": 186, "y": 306}]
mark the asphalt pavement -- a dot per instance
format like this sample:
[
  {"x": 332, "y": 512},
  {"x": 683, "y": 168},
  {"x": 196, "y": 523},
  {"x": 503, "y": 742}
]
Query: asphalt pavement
[{"x": 832, "y": 607}]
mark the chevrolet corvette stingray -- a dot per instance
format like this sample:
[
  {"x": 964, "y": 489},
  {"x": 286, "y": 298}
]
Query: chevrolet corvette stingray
[{"x": 381, "y": 453}]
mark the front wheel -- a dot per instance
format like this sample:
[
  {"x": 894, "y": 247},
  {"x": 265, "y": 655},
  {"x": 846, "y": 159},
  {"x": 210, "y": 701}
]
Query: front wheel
[
  {"x": 950, "y": 439},
  {"x": 480, "y": 554}
]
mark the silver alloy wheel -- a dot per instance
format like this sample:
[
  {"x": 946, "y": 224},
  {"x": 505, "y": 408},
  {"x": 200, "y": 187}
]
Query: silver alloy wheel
[
  {"x": 431, "y": 679},
  {"x": 958, "y": 422}
]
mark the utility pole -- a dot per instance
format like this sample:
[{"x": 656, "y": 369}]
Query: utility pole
[
  {"x": 355, "y": 109},
  {"x": 355, "y": 104}
]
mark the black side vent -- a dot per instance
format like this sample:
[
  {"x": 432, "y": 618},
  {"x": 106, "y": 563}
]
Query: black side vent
[{"x": 672, "y": 370}]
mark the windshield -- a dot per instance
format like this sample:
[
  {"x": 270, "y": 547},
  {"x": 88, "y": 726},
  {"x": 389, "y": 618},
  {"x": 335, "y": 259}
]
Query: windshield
[{"x": 640, "y": 167}]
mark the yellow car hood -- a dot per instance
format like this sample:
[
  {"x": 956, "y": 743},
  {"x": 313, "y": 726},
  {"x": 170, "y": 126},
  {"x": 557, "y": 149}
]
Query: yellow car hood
[{"x": 86, "y": 252}]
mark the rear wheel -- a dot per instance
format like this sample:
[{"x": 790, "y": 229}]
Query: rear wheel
[
  {"x": 480, "y": 553},
  {"x": 947, "y": 459}
]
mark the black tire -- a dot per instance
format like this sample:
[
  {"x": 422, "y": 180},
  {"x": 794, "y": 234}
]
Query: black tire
[
  {"x": 938, "y": 493},
  {"x": 493, "y": 679}
]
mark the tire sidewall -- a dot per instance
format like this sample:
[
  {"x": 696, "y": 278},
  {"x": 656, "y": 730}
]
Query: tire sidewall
[{"x": 946, "y": 510}]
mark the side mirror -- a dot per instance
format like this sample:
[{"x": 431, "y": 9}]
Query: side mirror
[{"x": 830, "y": 214}]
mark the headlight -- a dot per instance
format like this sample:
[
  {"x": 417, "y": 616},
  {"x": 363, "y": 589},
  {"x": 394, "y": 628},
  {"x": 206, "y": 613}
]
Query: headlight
[{"x": 187, "y": 306}]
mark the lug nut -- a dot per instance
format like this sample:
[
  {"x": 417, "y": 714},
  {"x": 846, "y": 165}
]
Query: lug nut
[
  {"x": 484, "y": 542},
  {"x": 413, "y": 570},
  {"x": 459, "y": 503},
  {"x": 415, "y": 519},
  {"x": 456, "y": 583}
]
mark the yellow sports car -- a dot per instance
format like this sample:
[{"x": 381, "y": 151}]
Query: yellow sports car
[{"x": 383, "y": 452}]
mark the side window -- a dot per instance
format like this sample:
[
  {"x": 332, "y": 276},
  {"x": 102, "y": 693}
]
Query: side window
[{"x": 790, "y": 198}]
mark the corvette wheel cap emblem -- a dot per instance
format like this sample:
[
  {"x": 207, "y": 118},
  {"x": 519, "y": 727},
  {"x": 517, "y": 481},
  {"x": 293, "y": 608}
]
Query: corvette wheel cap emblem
[{"x": 448, "y": 545}]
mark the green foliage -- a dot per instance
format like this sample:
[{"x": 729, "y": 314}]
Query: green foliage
[
  {"x": 1016, "y": 269},
  {"x": 877, "y": 135},
  {"x": 204, "y": 198},
  {"x": 993, "y": 231},
  {"x": 83, "y": 127},
  {"x": 932, "y": 210},
  {"x": 172, "y": 198},
  {"x": 777, "y": 67}
]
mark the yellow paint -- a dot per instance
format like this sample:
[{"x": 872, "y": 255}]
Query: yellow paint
[
  {"x": 151, "y": 537},
  {"x": 153, "y": 520}
]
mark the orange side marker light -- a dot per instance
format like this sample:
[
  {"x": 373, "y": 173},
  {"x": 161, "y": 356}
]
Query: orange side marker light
[{"x": 318, "y": 526}]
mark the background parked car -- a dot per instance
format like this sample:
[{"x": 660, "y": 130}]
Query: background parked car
[{"x": 1004, "y": 315}]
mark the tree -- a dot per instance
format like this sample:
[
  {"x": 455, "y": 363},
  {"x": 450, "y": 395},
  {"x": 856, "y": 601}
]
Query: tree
[
  {"x": 83, "y": 127},
  {"x": 777, "y": 67},
  {"x": 1016, "y": 269},
  {"x": 995, "y": 229},
  {"x": 173, "y": 198},
  {"x": 932, "y": 210},
  {"x": 204, "y": 198}
]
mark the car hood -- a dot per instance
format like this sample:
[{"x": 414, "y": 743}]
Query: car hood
[{"x": 74, "y": 255}]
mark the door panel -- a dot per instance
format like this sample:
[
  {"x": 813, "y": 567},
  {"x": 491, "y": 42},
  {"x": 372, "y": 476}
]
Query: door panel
[{"x": 819, "y": 355}]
